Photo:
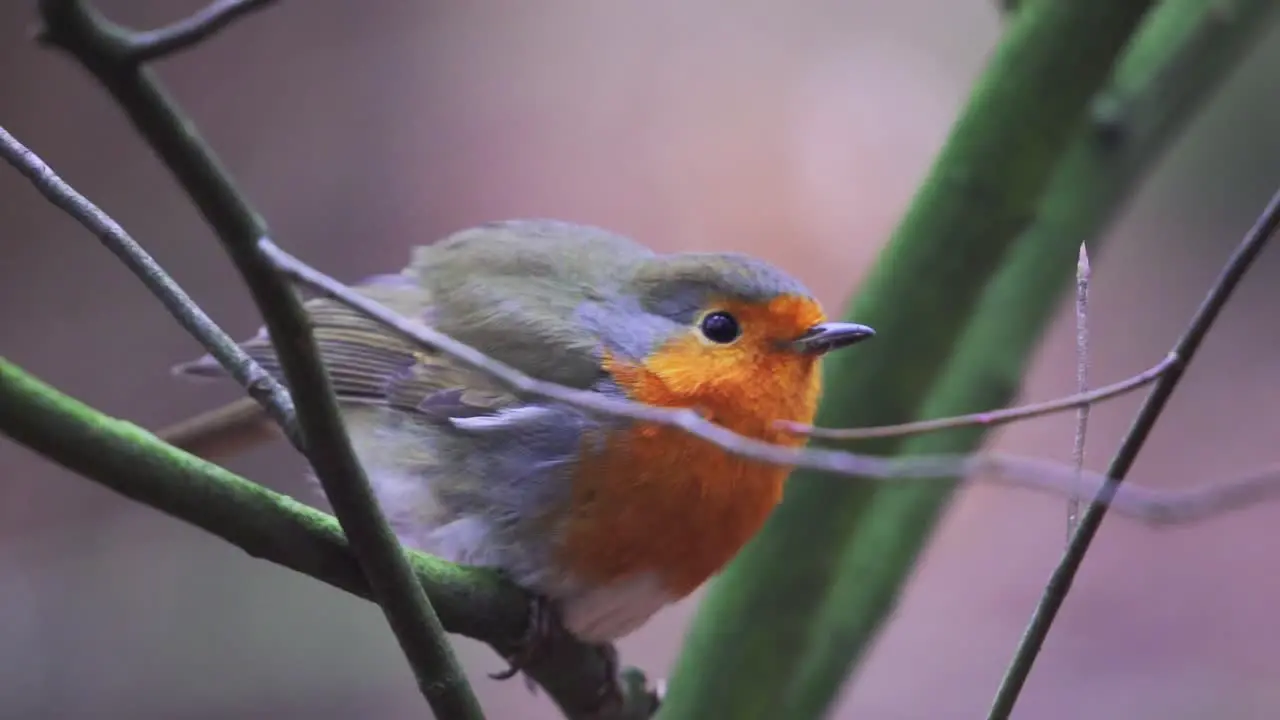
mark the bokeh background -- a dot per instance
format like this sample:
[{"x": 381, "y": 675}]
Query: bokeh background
[{"x": 796, "y": 131}]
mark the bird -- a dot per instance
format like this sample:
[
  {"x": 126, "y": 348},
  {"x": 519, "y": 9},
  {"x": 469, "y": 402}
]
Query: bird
[{"x": 607, "y": 519}]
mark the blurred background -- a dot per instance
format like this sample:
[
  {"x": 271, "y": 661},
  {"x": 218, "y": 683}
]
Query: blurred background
[{"x": 797, "y": 131}]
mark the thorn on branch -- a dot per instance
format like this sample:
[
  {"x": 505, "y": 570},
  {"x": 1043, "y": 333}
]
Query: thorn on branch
[{"x": 1084, "y": 275}]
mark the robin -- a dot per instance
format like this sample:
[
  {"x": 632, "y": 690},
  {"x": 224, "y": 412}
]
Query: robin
[{"x": 608, "y": 519}]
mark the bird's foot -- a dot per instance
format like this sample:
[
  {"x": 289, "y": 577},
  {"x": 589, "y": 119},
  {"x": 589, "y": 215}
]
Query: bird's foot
[
  {"x": 609, "y": 658},
  {"x": 543, "y": 626}
]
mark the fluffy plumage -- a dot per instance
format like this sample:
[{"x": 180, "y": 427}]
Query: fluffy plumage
[{"x": 610, "y": 518}]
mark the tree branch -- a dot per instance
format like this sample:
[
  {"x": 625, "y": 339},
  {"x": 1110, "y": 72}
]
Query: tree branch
[
  {"x": 147, "y": 45},
  {"x": 1191, "y": 47},
  {"x": 996, "y": 219},
  {"x": 1059, "y": 584},
  {"x": 177, "y": 498},
  {"x": 992, "y": 418},
  {"x": 257, "y": 382},
  {"x": 1144, "y": 504},
  {"x": 129, "y": 460},
  {"x": 104, "y": 49}
]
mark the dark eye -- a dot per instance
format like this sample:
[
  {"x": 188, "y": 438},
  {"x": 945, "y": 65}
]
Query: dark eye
[{"x": 721, "y": 327}]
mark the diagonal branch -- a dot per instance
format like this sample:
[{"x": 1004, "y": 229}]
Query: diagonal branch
[
  {"x": 1201, "y": 43},
  {"x": 103, "y": 50},
  {"x": 1060, "y": 582},
  {"x": 257, "y": 382},
  {"x": 1144, "y": 504},
  {"x": 828, "y": 606},
  {"x": 1147, "y": 505},
  {"x": 129, "y": 460}
]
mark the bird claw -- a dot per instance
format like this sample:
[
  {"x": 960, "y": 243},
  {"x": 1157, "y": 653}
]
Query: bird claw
[
  {"x": 609, "y": 656},
  {"x": 542, "y": 627}
]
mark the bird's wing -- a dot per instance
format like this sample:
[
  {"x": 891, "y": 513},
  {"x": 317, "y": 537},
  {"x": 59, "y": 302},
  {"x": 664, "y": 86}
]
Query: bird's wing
[
  {"x": 369, "y": 363},
  {"x": 537, "y": 295}
]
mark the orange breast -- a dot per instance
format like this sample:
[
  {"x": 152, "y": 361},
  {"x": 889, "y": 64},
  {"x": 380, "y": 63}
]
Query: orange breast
[{"x": 656, "y": 499}]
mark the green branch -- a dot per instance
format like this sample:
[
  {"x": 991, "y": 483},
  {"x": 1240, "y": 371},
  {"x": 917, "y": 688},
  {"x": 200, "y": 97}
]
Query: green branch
[
  {"x": 780, "y": 630},
  {"x": 1181, "y": 55},
  {"x": 111, "y": 54},
  {"x": 129, "y": 460}
]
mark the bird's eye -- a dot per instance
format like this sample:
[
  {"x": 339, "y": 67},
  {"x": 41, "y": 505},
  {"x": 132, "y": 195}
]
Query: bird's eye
[{"x": 720, "y": 327}]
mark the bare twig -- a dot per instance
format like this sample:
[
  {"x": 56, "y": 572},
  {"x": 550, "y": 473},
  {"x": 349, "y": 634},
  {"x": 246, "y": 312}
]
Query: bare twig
[
  {"x": 1151, "y": 506},
  {"x": 147, "y": 45},
  {"x": 991, "y": 417},
  {"x": 1083, "y": 273},
  {"x": 257, "y": 382},
  {"x": 1228, "y": 495},
  {"x": 103, "y": 49}
]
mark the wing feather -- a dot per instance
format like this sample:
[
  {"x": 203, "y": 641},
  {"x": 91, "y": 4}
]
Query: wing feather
[{"x": 371, "y": 364}]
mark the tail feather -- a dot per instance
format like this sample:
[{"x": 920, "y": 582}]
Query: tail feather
[{"x": 221, "y": 432}]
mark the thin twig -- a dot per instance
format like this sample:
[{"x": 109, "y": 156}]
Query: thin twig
[
  {"x": 103, "y": 48},
  {"x": 1083, "y": 273},
  {"x": 1152, "y": 506},
  {"x": 1228, "y": 495},
  {"x": 991, "y": 417},
  {"x": 258, "y": 383},
  {"x": 147, "y": 45}
]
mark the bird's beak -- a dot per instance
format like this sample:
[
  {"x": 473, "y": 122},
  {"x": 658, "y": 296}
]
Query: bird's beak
[{"x": 823, "y": 338}]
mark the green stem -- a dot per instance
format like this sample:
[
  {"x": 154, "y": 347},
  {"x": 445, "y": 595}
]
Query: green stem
[
  {"x": 129, "y": 460},
  {"x": 748, "y": 652},
  {"x": 1181, "y": 55}
]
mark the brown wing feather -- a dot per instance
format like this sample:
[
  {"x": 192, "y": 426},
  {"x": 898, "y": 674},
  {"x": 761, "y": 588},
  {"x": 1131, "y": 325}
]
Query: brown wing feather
[{"x": 371, "y": 364}]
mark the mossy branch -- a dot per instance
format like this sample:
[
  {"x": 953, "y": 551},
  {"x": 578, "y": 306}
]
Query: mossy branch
[
  {"x": 960, "y": 298},
  {"x": 131, "y": 461},
  {"x": 575, "y": 675}
]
